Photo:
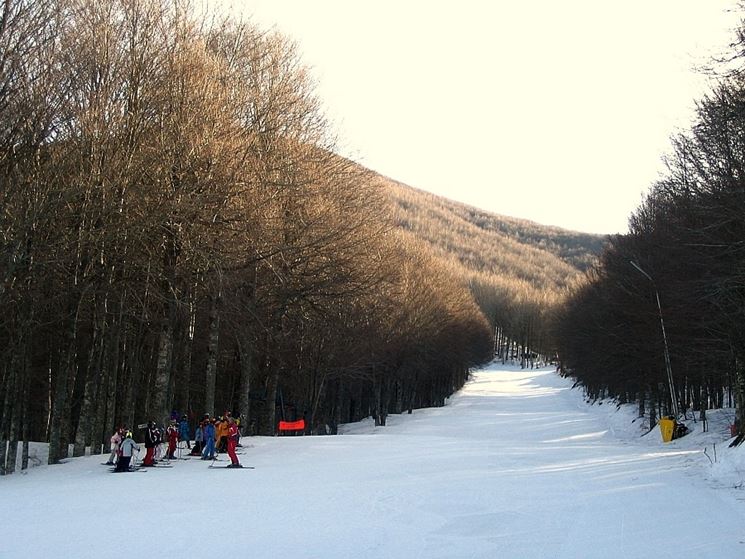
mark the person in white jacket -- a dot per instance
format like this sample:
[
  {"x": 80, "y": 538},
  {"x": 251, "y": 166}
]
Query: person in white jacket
[
  {"x": 127, "y": 448},
  {"x": 116, "y": 440}
]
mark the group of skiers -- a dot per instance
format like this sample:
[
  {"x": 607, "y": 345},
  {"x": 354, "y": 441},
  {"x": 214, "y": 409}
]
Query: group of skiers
[
  {"x": 212, "y": 435},
  {"x": 122, "y": 449}
]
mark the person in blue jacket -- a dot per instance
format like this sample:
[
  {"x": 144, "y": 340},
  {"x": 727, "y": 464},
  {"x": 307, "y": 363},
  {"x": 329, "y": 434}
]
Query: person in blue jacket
[
  {"x": 184, "y": 434},
  {"x": 209, "y": 440}
]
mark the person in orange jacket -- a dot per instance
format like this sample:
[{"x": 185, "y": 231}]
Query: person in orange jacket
[{"x": 221, "y": 434}]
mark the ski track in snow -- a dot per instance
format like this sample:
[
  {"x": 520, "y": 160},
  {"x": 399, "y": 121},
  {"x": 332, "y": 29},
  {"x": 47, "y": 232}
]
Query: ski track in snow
[{"x": 516, "y": 465}]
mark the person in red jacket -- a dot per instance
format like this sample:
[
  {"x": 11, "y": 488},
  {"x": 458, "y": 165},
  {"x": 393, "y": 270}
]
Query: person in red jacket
[
  {"x": 232, "y": 442},
  {"x": 152, "y": 439},
  {"x": 172, "y": 435}
]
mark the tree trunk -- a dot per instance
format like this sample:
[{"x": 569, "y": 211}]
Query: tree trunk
[
  {"x": 159, "y": 404},
  {"x": 161, "y": 401},
  {"x": 740, "y": 394},
  {"x": 97, "y": 440},
  {"x": 6, "y": 385},
  {"x": 183, "y": 375},
  {"x": 82, "y": 434},
  {"x": 113, "y": 405},
  {"x": 399, "y": 405},
  {"x": 274, "y": 368},
  {"x": 15, "y": 429},
  {"x": 11, "y": 420},
  {"x": 59, "y": 421},
  {"x": 272, "y": 386},
  {"x": 26, "y": 419},
  {"x": 341, "y": 405},
  {"x": 212, "y": 349},
  {"x": 381, "y": 402},
  {"x": 95, "y": 436},
  {"x": 245, "y": 354},
  {"x": 135, "y": 378},
  {"x": 92, "y": 374}
]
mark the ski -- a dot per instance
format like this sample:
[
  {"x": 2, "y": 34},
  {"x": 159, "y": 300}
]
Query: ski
[
  {"x": 229, "y": 468},
  {"x": 113, "y": 471}
]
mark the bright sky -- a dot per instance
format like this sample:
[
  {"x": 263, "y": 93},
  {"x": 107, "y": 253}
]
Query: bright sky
[{"x": 558, "y": 112}]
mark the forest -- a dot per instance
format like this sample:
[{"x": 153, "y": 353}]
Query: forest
[
  {"x": 177, "y": 233},
  {"x": 675, "y": 284}
]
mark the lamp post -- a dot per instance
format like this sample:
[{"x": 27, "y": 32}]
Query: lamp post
[{"x": 668, "y": 367}]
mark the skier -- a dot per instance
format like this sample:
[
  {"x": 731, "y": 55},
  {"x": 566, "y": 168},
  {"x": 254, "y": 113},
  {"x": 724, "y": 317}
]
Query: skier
[
  {"x": 172, "y": 437},
  {"x": 184, "y": 434},
  {"x": 126, "y": 448},
  {"x": 152, "y": 439},
  {"x": 159, "y": 440},
  {"x": 209, "y": 441},
  {"x": 232, "y": 442},
  {"x": 198, "y": 440},
  {"x": 221, "y": 434},
  {"x": 116, "y": 440}
]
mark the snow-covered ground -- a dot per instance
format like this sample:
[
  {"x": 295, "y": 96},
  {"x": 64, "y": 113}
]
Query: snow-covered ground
[{"x": 517, "y": 465}]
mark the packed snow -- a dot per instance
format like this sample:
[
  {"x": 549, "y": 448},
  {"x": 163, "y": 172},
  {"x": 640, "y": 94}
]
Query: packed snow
[{"x": 516, "y": 465}]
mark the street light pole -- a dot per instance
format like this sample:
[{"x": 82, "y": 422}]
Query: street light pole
[{"x": 668, "y": 367}]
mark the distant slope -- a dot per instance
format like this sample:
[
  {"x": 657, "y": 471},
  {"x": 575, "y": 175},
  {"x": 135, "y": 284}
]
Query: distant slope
[{"x": 545, "y": 257}]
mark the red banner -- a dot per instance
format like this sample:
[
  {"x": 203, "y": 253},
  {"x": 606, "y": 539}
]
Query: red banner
[{"x": 298, "y": 425}]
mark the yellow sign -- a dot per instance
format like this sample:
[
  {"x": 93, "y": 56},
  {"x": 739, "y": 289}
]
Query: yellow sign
[{"x": 667, "y": 428}]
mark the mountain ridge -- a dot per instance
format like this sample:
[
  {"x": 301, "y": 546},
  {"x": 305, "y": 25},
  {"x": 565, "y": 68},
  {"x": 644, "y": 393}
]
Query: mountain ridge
[{"x": 481, "y": 242}]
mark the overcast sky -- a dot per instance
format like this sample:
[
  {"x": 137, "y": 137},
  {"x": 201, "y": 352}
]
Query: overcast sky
[{"x": 554, "y": 111}]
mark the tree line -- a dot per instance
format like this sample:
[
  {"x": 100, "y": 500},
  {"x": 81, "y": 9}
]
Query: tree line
[
  {"x": 176, "y": 232},
  {"x": 685, "y": 246}
]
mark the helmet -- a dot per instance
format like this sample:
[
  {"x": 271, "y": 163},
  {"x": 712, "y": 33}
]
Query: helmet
[{"x": 128, "y": 435}]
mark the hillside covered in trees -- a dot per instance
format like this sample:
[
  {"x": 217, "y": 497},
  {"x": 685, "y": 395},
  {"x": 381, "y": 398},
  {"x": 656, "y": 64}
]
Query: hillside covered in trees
[
  {"x": 517, "y": 270},
  {"x": 547, "y": 257},
  {"x": 176, "y": 233}
]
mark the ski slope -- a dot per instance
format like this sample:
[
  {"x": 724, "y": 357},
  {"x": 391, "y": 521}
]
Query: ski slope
[{"x": 516, "y": 465}]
